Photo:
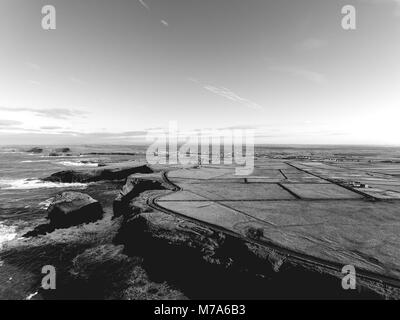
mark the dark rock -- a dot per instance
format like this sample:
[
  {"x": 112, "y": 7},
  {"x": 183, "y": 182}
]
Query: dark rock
[
  {"x": 35, "y": 150},
  {"x": 71, "y": 176},
  {"x": 132, "y": 188},
  {"x": 62, "y": 150},
  {"x": 39, "y": 230},
  {"x": 112, "y": 172},
  {"x": 167, "y": 230},
  {"x": 73, "y": 208},
  {"x": 89, "y": 162},
  {"x": 54, "y": 154}
]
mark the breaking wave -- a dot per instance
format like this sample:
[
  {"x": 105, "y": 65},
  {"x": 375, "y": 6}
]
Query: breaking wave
[
  {"x": 33, "y": 161},
  {"x": 25, "y": 184},
  {"x": 78, "y": 164},
  {"x": 44, "y": 205},
  {"x": 6, "y": 233}
]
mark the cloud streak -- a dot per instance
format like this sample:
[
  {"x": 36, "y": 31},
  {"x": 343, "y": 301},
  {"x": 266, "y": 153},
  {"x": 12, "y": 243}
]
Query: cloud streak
[
  {"x": 54, "y": 113},
  {"x": 301, "y": 72},
  {"x": 77, "y": 80},
  {"x": 9, "y": 123},
  {"x": 35, "y": 83},
  {"x": 103, "y": 134},
  {"x": 33, "y": 66},
  {"x": 227, "y": 94},
  {"x": 311, "y": 44},
  {"x": 69, "y": 136},
  {"x": 230, "y": 95},
  {"x": 144, "y": 4},
  {"x": 50, "y": 128}
]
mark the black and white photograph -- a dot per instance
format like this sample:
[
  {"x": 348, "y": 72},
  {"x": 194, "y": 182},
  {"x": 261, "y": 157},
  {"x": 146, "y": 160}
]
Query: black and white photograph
[{"x": 222, "y": 151}]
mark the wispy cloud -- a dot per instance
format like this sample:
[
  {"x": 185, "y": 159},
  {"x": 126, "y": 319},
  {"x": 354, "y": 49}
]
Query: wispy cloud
[
  {"x": 33, "y": 66},
  {"x": 191, "y": 79},
  {"x": 227, "y": 94},
  {"x": 230, "y": 95},
  {"x": 56, "y": 130},
  {"x": 18, "y": 130},
  {"x": 240, "y": 127},
  {"x": 35, "y": 83},
  {"x": 8, "y": 123},
  {"x": 50, "y": 128},
  {"x": 301, "y": 72},
  {"x": 144, "y": 4},
  {"x": 103, "y": 134},
  {"x": 311, "y": 44},
  {"x": 77, "y": 80},
  {"x": 165, "y": 23},
  {"x": 54, "y": 113}
]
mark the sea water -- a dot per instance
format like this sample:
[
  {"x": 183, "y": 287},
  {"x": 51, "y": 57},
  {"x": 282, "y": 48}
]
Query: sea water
[{"x": 23, "y": 195}]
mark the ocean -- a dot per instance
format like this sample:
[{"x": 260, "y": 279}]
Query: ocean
[{"x": 25, "y": 197}]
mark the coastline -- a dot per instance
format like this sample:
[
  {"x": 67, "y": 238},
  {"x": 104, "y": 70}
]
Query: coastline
[{"x": 118, "y": 256}]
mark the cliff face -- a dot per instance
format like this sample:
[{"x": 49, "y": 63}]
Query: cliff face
[{"x": 133, "y": 187}]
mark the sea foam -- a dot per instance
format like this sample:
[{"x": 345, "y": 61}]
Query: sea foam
[
  {"x": 44, "y": 205},
  {"x": 6, "y": 234},
  {"x": 33, "y": 161},
  {"x": 78, "y": 164},
  {"x": 25, "y": 184}
]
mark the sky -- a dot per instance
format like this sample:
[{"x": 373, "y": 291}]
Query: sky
[{"x": 112, "y": 71}]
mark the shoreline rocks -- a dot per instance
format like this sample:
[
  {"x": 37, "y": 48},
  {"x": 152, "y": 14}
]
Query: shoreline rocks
[
  {"x": 35, "y": 150},
  {"x": 73, "y": 208},
  {"x": 54, "y": 154},
  {"x": 132, "y": 188},
  {"x": 111, "y": 172},
  {"x": 62, "y": 150}
]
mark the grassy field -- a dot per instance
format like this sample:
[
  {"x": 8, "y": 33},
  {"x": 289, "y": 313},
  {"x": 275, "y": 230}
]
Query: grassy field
[{"x": 324, "y": 210}]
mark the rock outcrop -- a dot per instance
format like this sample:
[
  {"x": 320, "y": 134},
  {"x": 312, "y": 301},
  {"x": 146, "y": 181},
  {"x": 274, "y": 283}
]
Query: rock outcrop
[
  {"x": 111, "y": 172},
  {"x": 35, "y": 150},
  {"x": 62, "y": 150},
  {"x": 132, "y": 188},
  {"x": 73, "y": 208},
  {"x": 54, "y": 154}
]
